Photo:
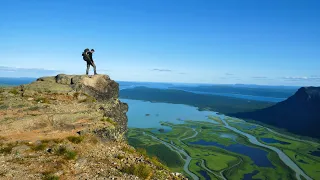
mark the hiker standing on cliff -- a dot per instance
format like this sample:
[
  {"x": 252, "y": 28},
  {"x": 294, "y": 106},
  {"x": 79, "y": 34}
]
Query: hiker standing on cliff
[{"x": 87, "y": 56}]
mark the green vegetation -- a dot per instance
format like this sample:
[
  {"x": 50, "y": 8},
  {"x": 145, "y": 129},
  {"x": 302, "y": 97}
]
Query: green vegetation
[
  {"x": 217, "y": 160},
  {"x": 62, "y": 150},
  {"x": 14, "y": 91},
  {"x": 39, "y": 147},
  {"x": 34, "y": 108},
  {"x": 7, "y": 149},
  {"x": 75, "y": 139},
  {"x": 109, "y": 120},
  {"x": 297, "y": 150},
  {"x": 20, "y": 106},
  {"x": 128, "y": 150},
  {"x": 157, "y": 162},
  {"x": 141, "y": 170},
  {"x": 148, "y": 147},
  {"x": 70, "y": 155},
  {"x": 4, "y": 106},
  {"x": 49, "y": 176}
]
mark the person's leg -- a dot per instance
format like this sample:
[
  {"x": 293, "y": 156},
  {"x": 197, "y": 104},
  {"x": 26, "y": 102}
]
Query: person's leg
[
  {"x": 88, "y": 66},
  {"x": 94, "y": 67}
]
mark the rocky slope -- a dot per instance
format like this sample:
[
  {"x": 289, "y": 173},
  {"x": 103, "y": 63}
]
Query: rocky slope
[
  {"x": 69, "y": 127},
  {"x": 299, "y": 114}
]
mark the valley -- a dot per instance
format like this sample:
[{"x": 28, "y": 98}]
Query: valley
[{"x": 222, "y": 147}]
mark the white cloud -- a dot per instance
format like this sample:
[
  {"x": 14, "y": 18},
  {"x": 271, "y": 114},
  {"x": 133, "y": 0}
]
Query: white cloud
[
  {"x": 301, "y": 78},
  {"x": 162, "y": 70},
  {"x": 26, "y": 72}
]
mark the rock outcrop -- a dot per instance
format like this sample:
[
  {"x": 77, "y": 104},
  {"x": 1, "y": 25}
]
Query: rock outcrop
[
  {"x": 99, "y": 88},
  {"x": 299, "y": 114},
  {"x": 69, "y": 127}
]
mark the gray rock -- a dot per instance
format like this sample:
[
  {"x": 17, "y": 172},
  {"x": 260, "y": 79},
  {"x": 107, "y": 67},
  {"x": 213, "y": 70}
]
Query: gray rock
[{"x": 63, "y": 79}]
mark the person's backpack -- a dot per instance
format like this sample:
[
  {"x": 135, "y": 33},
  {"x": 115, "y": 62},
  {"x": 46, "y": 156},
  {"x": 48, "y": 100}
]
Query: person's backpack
[{"x": 85, "y": 56}]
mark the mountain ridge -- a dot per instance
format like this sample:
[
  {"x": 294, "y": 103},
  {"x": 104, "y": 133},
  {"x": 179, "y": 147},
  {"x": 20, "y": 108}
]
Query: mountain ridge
[{"x": 299, "y": 114}]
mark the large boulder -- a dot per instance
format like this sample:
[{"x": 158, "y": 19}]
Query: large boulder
[{"x": 98, "y": 87}]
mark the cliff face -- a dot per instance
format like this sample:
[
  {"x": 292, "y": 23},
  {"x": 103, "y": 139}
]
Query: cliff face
[
  {"x": 69, "y": 127},
  {"x": 299, "y": 114}
]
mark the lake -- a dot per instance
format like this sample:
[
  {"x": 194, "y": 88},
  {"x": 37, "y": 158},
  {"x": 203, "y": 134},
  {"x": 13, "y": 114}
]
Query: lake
[
  {"x": 316, "y": 153},
  {"x": 250, "y": 175},
  {"x": 161, "y": 112},
  {"x": 258, "y": 156}
]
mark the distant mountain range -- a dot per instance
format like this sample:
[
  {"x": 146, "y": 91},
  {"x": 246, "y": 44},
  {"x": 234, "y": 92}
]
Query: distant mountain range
[
  {"x": 299, "y": 114},
  {"x": 222, "y": 104}
]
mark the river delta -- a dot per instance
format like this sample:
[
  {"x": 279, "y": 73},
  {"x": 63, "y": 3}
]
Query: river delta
[{"x": 208, "y": 145}]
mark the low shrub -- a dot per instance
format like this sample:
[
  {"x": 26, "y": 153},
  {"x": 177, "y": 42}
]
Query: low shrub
[
  {"x": 62, "y": 150},
  {"x": 142, "y": 151},
  {"x": 49, "y": 176},
  {"x": 128, "y": 149},
  {"x": 39, "y": 147},
  {"x": 109, "y": 120},
  {"x": 75, "y": 139},
  {"x": 70, "y": 155},
  {"x": 14, "y": 91},
  {"x": 157, "y": 163},
  {"x": 141, "y": 170},
  {"x": 7, "y": 149}
]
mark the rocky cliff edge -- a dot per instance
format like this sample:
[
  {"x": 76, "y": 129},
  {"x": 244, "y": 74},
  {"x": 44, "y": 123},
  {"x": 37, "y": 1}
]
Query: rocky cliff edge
[{"x": 69, "y": 127}]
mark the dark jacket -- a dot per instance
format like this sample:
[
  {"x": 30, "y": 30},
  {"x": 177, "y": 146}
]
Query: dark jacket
[{"x": 90, "y": 55}]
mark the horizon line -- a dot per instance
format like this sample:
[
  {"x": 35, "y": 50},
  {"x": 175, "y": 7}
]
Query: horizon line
[{"x": 191, "y": 83}]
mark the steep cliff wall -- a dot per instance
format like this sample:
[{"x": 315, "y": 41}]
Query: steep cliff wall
[{"x": 69, "y": 127}]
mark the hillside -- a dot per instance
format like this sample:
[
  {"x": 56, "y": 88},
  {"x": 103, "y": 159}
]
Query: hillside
[
  {"x": 298, "y": 114},
  {"x": 69, "y": 127},
  {"x": 252, "y": 90},
  {"x": 220, "y": 104}
]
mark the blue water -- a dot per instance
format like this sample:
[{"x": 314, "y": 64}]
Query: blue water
[
  {"x": 258, "y": 156},
  {"x": 164, "y": 112},
  {"x": 250, "y": 175},
  {"x": 271, "y": 140},
  {"x": 241, "y": 96},
  {"x": 244, "y": 126},
  {"x": 204, "y": 174},
  {"x": 127, "y": 85},
  {"x": 316, "y": 153}
]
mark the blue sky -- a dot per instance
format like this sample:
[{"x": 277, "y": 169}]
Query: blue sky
[{"x": 222, "y": 42}]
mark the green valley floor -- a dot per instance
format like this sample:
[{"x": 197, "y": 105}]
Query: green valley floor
[{"x": 226, "y": 149}]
